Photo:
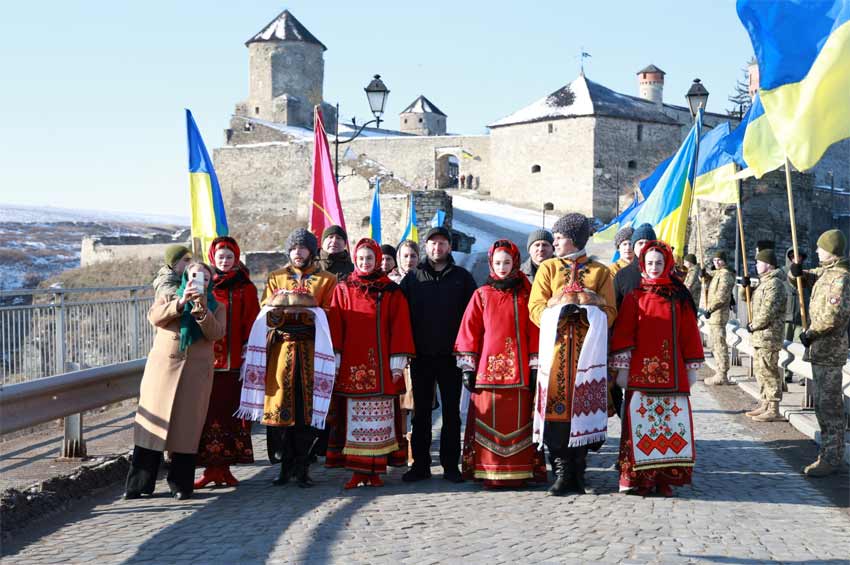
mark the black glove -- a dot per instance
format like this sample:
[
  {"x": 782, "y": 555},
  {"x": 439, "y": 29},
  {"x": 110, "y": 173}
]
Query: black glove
[
  {"x": 750, "y": 328},
  {"x": 796, "y": 270},
  {"x": 532, "y": 380},
  {"x": 745, "y": 280},
  {"x": 703, "y": 312},
  {"x": 570, "y": 311},
  {"x": 806, "y": 338},
  {"x": 469, "y": 380}
]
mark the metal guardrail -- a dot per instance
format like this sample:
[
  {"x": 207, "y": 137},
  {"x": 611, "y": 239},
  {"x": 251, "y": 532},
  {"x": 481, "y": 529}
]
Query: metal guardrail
[{"x": 46, "y": 332}]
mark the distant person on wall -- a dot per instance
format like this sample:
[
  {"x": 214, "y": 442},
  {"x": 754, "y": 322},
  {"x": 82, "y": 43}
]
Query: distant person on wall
[
  {"x": 176, "y": 385},
  {"x": 407, "y": 257},
  {"x": 657, "y": 350},
  {"x": 334, "y": 256},
  {"x": 388, "y": 254},
  {"x": 226, "y": 440},
  {"x": 623, "y": 244},
  {"x": 168, "y": 277},
  {"x": 438, "y": 292},
  {"x": 373, "y": 343},
  {"x": 462, "y": 181},
  {"x": 539, "y": 247},
  {"x": 496, "y": 349}
]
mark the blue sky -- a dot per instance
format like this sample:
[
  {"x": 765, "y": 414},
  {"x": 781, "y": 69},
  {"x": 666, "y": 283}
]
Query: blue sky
[{"x": 94, "y": 91}]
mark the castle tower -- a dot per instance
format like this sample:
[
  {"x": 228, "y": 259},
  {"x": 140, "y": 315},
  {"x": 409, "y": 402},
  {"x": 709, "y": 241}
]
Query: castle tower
[
  {"x": 651, "y": 84},
  {"x": 286, "y": 73},
  {"x": 421, "y": 117}
]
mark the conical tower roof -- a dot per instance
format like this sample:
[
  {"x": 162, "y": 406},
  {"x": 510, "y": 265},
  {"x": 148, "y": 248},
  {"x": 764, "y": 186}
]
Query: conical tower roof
[
  {"x": 285, "y": 27},
  {"x": 422, "y": 105}
]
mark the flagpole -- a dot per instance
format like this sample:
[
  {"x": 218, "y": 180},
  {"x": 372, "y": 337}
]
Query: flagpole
[
  {"x": 693, "y": 175},
  {"x": 701, "y": 253},
  {"x": 790, "y": 191},
  {"x": 743, "y": 248}
]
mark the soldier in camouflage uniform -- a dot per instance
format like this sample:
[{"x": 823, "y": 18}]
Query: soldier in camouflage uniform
[
  {"x": 767, "y": 328},
  {"x": 721, "y": 283},
  {"x": 826, "y": 340},
  {"x": 693, "y": 277}
]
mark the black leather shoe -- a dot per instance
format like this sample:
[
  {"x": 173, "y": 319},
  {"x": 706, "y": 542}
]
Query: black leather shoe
[
  {"x": 562, "y": 486},
  {"x": 180, "y": 495},
  {"x": 283, "y": 476},
  {"x": 416, "y": 474},
  {"x": 132, "y": 495},
  {"x": 453, "y": 475}
]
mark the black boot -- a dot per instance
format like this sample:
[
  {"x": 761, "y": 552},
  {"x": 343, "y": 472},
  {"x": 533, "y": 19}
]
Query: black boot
[
  {"x": 561, "y": 485},
  {"x": 302, "y": 471},
  {"x": 143, "y": 472},
  {"x": 286, "y": 455},
  {"x": 579, "y": 464},
  {"x": 181, "y": 475},
  {"x": 284, "y": 475}
]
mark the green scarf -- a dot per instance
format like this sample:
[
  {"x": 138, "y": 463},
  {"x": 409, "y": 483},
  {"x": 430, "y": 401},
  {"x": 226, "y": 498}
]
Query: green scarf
[{"x": 189, "y": 328}]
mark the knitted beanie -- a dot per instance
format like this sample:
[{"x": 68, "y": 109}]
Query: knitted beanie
[
  {"x": 766, "y": 256},
  {"x": 388, "y": 250},
  {"x": 334, "y": 230},
  {"x": 538, "y": 235},
  {"x": 304, "y": 238},
  {"x": 833, "y": 241},
  {"x": 643, "y": 231},
  {"x": 440, "y": 230},
  {"x": 623, "y": 235},
  {"x": 574, "y": 226},
  {"x": 721, "y": 254},
  {"x": 173, "y": 253},
  {"x": 691, "y": 258}
]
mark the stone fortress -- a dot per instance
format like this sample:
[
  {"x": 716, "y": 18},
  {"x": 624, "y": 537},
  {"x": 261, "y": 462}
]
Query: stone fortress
[{"x": 584, "y": 147}]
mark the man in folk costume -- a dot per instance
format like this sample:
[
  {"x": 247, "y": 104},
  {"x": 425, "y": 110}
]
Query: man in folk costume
[
  {"x": 657, "y": 350},
  {"x": 373, "y": 343},
  {"x": 496, "y": 349},
  {"x": 721, "y": 284},
  {"x": 769, "y": 300},
  {"x": 623, "y": 244},
  {"x": 288, "y": 372},
  {"x": 826, "y": 344},
  {"x": 572, "y": 302}
]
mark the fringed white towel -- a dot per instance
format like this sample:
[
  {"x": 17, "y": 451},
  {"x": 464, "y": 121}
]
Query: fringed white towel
[
  {"x": 253, "y": 372},
  {"x": 589, "y": 418}
]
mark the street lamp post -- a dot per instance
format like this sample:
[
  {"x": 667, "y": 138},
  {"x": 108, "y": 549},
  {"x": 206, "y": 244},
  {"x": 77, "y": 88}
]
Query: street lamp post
[
  {"x": 606, "y": 177},
  {"x": 547, "y": 207},
  {"x": 697, "y": 97},
  {"x": 376, "y": 94}
]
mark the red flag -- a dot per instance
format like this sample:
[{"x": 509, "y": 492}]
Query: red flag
[{"x": 325, "y": 209}]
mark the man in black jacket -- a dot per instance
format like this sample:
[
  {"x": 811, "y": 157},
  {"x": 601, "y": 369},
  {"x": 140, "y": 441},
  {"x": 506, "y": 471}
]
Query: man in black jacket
[
  {"x": 437, "y": 292},
  {"x": 628, "y": 278}
]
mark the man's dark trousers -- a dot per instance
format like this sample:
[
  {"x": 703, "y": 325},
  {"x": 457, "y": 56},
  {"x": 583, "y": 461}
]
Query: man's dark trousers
[{"x": 426, "y": 371}]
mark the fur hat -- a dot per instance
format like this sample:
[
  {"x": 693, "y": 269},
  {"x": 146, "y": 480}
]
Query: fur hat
[
  {"x": 539, "y": 235},
  {"x": 334, "y": 230},
  {"x": 173, "y": 253},
  {"x": 691, "y": 258},
  {"x": 622, "y": 235},
  {"x": 574, "y": 226},
  {"x": 766, "y": 256},
  {"x": 388, "y": 250},
  {"x": 833, "y": 241},
  {"x": 643, "y": 231},
  {"x": 304, "y": 238}
]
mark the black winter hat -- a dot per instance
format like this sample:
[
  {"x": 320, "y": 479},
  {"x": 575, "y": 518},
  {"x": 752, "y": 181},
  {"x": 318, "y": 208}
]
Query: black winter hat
[
  {"x": 643, "y": 231},
  {"x": 538, "y": 235},
  {"x": 304, "y": 238},
  {"x": 335, "y": 230},
  {"x": 767, "y": 256},
  {"x": 574, "y": 226},
  {"x": 440, "y": 230},
  {"x": 388, "y": 250}
]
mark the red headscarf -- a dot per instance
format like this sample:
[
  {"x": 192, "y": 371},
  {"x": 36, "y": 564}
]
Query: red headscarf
[
  {"x": 238, "y": 273},
  {"x": 515, "y": 277},
  {"x": 375, "y": 280},
  {"x": 668, "y": 284}
]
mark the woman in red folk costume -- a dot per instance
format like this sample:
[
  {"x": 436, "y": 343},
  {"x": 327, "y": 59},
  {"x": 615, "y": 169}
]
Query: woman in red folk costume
[
  {"x": 657, "y": 350},
  {"x": 496, "y": 349},
  {"x": 226, "y": 440},
  {"x": 373, "y": 341}
]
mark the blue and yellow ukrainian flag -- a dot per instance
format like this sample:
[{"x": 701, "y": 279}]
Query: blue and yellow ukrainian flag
[
  {"x": 668, "y": 206},
  {"x": 716, "y": 168},
  {"x": 760, "y": 150},
  {"x": 375, "y": 218},
  {"x": 411, "y": 232},
  {"x": 208, "y": 218},
  {"x": 803, "y": 53}
]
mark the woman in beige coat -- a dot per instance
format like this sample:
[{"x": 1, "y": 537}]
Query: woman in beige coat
[{"x": 176, "y": 386}]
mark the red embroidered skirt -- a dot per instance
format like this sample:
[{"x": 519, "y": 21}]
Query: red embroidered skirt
[
  {"x": 224, "y": 440},
  {"x": 497, "y": 443}
]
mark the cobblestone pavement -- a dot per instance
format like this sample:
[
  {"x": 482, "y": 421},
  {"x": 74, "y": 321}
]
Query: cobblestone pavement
[{"x": 746, "y": 506}]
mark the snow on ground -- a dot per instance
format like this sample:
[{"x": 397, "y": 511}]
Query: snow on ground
[{"x": 50, "y": 214}]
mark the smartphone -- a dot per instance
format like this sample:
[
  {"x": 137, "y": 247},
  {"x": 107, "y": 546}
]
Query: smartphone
[{"x": 197, "y": 282}]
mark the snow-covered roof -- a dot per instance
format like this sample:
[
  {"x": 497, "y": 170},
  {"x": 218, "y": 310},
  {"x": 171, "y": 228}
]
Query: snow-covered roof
[
  {"x": 583, "y": 97},
  {"x": 285, "y": 27},
  {"x": 298, "y": 133},
  {"x": 370, "y": 132},
  {"x": 422, "y": 105}
]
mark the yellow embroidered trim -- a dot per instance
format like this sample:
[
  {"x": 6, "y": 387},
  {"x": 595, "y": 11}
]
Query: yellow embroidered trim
[{"x": 373, "y": 451}]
